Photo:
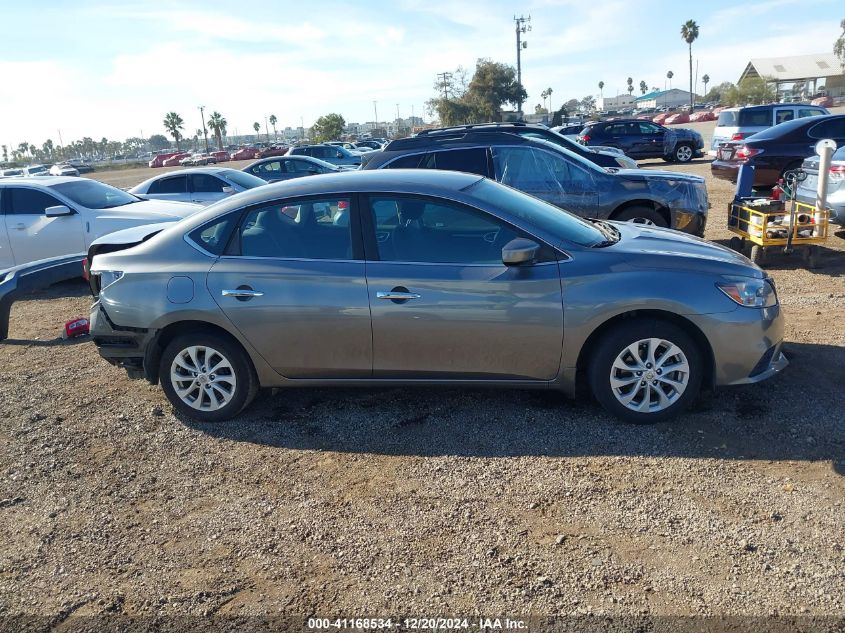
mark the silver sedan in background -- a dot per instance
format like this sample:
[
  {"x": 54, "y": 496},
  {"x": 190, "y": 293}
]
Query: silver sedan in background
[
  {"x": 427, "y": 277},
  {"x": 201, "y": 185}
]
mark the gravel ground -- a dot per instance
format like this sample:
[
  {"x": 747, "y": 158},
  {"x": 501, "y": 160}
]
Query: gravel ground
[{"x": 422, "y": 502}]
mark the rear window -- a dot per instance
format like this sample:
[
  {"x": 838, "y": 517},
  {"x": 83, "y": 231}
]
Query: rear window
[{"x": 727, "y": 119}]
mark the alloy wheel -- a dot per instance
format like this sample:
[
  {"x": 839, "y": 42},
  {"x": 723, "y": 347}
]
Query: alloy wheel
[
  {"x": 650, "y": 375},
  {"x": 683, "y": 154},
  {"x": 203, "y": 378}
]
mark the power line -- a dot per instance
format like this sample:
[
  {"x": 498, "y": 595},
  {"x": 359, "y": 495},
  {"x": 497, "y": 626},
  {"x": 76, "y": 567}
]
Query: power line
[{"x": 445, "y": 82}]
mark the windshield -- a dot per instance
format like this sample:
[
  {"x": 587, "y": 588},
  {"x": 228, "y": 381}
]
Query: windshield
[
  {"x": 245, "y": 180},
  {"x": 543, "y": 215},
  {"x": 95, "y": 195}
]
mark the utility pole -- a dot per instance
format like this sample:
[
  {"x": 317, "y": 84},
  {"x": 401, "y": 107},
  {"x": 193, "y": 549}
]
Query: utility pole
[
  {"x": 204, "y": 131},
  {"x": 522, "y": 25},
  {"x": 375, "y": 111},
  {"x": 444, "y": 78}
]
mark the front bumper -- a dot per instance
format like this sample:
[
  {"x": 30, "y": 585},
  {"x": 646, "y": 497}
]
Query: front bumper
[
  {"x": 746, "y": 344},
  {"x": 121, "y": 346}
]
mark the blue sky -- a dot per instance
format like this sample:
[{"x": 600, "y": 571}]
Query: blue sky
[{"x": 114, "y": 68}]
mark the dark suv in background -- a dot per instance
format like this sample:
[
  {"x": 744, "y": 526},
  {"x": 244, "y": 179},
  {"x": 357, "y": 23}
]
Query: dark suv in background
[
  {"x": 556, "y": 175},
  {"x": 644, "y": 139},
  {"x": 601, "y": 156}
]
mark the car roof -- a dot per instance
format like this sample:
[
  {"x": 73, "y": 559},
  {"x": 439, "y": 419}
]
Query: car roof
[
  {"x": 422, "y": 181},
  {"x": 43, "y": 181},
  {"x": 480, "y": 127},
  {"x": 458, "y": 136}
]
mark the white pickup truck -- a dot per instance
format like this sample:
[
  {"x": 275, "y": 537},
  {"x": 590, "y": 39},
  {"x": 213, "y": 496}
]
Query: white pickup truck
[{"x": 52, "y": 216}]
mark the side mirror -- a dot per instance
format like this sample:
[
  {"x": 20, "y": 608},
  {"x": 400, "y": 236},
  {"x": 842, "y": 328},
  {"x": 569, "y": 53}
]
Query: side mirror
[
  {"x": 520, "y": 251},
  {"x": 228, "y": 190},
  {"x": 57, "y": 211}
]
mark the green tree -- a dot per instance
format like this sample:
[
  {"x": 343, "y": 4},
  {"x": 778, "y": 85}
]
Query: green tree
[
  {"x": 257, "y": 127},
  {"x": 5, "y": 154},
  {"x": 174, "y": 124},
  {"x": 559, "y": 116},
  {"x": 750, "y": 90},
  {"x": 328, "y": 127},
  {"x": 23, "y": 148},
  {"x": 643, "y": 87},
  {"x": 273, "y": 121},
  {"x": 839, "y": 45},
  {"x": 630, "y": 85},
  {"x": 493, "y": 85},
  {"x": 689, "y": 33},
  {"x": 217, "y": 124},
  {"x": 158, "y": 142},
  {"x": 588, "y": 103}
]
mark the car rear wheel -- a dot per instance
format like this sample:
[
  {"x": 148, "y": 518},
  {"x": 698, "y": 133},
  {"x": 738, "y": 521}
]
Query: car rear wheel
[
  {"x": 646, "y": 371},
  {"x": 641, "y": 215},
  {"x": 683, "y": 153},
  {"x": 207, "y": 377}
]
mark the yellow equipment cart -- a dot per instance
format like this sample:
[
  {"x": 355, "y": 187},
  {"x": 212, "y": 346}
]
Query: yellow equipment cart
[{"x": 764, "y": 224}]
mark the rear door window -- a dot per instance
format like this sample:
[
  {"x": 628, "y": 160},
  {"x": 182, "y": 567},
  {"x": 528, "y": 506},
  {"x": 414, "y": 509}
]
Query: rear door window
[
  {"x": 755, "y": 118},
  {"x": 174, "y": 184},
  {"x": 831, "y": 128},
  {"x": 727, "y": 119},
  {"x": 803, "y": 112},
  {"x": 412, "y": 161},
  {"x": 784, "y": 115}
]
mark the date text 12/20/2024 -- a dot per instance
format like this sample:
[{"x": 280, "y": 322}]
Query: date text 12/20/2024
[{"x": 422, "y": 623}]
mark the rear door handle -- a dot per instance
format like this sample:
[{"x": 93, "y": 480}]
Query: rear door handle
[
  {"x": 397, "y": 296},
  {"x": 243, "y": 293}
]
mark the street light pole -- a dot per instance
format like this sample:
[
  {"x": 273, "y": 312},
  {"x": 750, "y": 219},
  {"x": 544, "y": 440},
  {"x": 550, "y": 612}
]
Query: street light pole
[
  {"x": 522, "y": 25},
  {"x": 375, "y": 111},
  {"x": 204, "y": 131}
]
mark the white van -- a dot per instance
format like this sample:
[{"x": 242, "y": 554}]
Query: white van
[{"x": 735, "y": 124}]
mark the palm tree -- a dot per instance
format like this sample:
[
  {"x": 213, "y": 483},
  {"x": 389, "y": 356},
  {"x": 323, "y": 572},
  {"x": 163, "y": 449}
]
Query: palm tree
[
  {"x": 257, "y": 127},
  {"x": 23, "y": 148},
  {"x": 630, "y": 85},
  {"x": 601, "y": 89},
  {"x": 705, "y": 80},
  {"x": 273, "y": 121},
  {"x": 549, "y": 92},
  {"x": 669, "y": 76},
  {"x": 173, "y": 123},
  {"x": 689, "y": 33},
  {"x": 643, "y": 87},
  {"x": 218, "y": 125}
]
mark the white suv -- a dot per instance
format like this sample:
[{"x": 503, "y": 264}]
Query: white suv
[{"x": 735, "y": 124}]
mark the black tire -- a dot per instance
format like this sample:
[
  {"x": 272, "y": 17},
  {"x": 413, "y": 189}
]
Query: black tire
[
  {"x": 736, "y": 244},
  {"x": 616, "y": 341},
  {"x": 632, "y": 214},
  {"x": 812, "y": 256},
  {"x": 683, "y": 153},
  {"x": 246, "y": 381},
  {"x": 758, "y": 255}
]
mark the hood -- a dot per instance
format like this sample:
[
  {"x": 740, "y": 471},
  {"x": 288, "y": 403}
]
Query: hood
[
  {"x": 657, "y": 248},
  {"x": 133, "y": 235},
  {"x": 151, "y": 211},
  {"x": 654, "y": 174}
]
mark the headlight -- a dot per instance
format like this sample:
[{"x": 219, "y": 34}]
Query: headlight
[
  {"x": 751, "y": 293},
  {"x": 108, "y": 277}
]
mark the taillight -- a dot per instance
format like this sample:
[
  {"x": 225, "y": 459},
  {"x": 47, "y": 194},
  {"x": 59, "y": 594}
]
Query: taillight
[
  {"x": 585, "y": 138},
  {"x": 745, "y": 152},
  {"x": 837, "y": 172},
  {"x": 738, "y": 136},
  {"x": 86, "y": 269}
]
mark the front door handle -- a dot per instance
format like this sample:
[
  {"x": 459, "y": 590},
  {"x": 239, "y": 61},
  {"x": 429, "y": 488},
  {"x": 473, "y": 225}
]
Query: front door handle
[
  {"x": 20, "y": 226},
  {"x": 393, "y": 295}
]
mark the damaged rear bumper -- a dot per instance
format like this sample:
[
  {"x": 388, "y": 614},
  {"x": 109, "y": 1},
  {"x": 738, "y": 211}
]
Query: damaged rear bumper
[{"x": 125, "y": 347}]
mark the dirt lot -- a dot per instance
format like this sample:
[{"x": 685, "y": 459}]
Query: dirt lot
[{"x": 422, "y": 502}]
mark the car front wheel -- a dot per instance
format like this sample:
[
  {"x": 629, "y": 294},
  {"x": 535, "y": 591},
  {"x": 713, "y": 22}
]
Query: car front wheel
[
  {"x": 641, "y": 215},
  {"x": 646, "y": 371},
  {"x": 207, "y": 377},
  {"x": 682, "y": 153}
]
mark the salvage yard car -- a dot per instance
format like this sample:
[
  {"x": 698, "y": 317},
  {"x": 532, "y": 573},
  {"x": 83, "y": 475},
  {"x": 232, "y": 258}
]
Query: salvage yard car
[
  {"x": 421, "y": 277},
  {"x": 556, "y": 175},
  {"x": 645, "y": 139},
  {"x": 201, "y": 185},
  {"x": 61, "y": 215},
  {"x": 736, "y": 124}
]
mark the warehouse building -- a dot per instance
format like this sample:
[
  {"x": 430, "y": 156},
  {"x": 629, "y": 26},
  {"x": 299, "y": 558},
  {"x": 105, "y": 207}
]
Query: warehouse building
[{"x": 665, "y": 98}]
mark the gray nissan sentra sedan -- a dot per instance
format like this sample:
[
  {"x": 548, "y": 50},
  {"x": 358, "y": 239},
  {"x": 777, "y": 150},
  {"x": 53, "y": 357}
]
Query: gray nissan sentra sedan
[{"x": 426, "y": 277}]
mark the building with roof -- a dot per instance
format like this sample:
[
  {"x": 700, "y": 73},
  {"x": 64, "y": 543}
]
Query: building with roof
[
  {"x": 664, "y": 98},
  {"x": 810, "y": 73},
  {"x": 614, "y": 103}
]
